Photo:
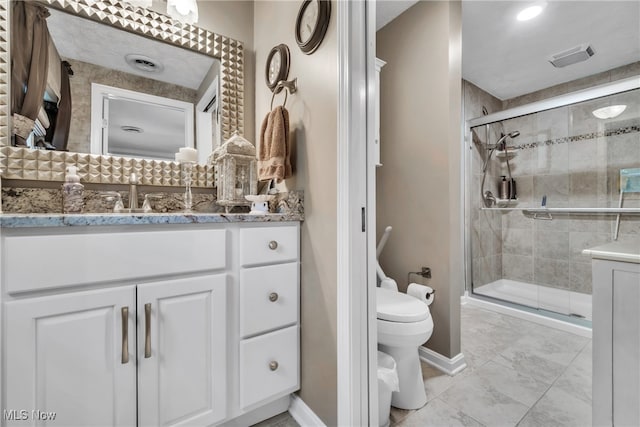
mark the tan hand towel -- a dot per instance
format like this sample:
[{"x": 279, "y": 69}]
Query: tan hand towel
[{"x": 274, "y": 151}]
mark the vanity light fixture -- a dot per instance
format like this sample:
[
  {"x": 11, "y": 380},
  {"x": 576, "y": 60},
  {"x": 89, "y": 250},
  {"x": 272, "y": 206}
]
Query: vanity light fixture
[
  {"x": 609, "y": 112},
  {"x": 185, "y": 11},
  {"x": 531, "y": 11}
]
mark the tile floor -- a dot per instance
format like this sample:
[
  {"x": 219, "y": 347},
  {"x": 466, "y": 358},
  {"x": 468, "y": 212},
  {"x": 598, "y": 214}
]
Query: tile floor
[{"x": 519, "y": 373}]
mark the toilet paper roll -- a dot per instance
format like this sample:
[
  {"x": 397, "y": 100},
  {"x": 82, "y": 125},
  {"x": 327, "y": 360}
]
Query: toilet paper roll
[
  {"x": 421, "y": 292},
  {"x": 389, "y": 284}
]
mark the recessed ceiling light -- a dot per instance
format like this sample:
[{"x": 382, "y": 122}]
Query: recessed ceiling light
[
  {"x": 530, "y": 12},
  {"x": 609, "y": 112}
]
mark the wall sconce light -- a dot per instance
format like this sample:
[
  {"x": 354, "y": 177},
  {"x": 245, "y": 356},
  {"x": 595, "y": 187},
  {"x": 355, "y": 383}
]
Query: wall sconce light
[{"x": 185, "y": 11}]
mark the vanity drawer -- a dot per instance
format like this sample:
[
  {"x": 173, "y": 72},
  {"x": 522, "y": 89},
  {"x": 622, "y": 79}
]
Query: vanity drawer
[
  {"x": 269, "y": 366},
  {"x": 86, "y": 258},
  {"x": 268, "y": 298},
  {"x": 268, "y": 245}
]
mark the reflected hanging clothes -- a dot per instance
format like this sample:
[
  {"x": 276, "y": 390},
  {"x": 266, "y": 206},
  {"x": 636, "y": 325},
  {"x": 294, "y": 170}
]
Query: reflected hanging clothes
[
  {"x": 29, "y": 65},
  {"x": 63, "y": 119}
]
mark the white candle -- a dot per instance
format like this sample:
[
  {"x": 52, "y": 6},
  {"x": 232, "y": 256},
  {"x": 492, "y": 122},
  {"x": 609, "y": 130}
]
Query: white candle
[{"x": 188, "y": 154}]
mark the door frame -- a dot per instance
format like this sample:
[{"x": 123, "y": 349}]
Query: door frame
[{"x": 356, "y": 279}]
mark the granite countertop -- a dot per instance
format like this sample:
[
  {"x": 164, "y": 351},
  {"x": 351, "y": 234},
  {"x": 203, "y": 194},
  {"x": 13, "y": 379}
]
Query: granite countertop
[
  {"x": 627, "y": 251},
  {"x": 58, "y": 220}
]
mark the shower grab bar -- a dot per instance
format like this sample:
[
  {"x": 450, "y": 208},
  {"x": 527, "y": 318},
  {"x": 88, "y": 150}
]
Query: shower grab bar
[{"x": 607, "y": 211}]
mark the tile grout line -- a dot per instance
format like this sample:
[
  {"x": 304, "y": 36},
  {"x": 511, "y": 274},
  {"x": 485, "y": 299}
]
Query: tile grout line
[{"x": 554, "y": 382}]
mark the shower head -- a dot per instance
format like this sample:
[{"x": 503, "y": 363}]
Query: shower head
[{"x": 513, "y": 134}]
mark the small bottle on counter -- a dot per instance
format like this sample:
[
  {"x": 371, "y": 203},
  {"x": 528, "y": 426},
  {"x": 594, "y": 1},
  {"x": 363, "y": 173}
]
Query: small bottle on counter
[
  {"x": 72, "y": 192},
  {"x": 504, "y": 188}
]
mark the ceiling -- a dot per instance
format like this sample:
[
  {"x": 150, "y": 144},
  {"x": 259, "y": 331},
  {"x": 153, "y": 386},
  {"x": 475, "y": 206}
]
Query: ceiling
[
  {"x": 508, "y": 58},
  {"x": 89, "y": 41}
]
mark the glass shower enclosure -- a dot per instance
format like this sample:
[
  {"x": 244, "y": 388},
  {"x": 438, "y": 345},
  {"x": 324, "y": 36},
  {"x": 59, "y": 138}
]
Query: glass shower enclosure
[{"x": 543, "y": 182}]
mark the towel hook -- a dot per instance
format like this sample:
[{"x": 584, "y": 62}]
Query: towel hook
[{"x": 290, "y": 86}]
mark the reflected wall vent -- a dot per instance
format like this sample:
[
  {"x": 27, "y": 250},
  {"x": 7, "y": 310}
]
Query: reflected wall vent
[{"x": 571, "y": 56}]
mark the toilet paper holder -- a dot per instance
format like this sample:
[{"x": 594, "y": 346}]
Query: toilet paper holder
[{"x": 425, "y": 273}]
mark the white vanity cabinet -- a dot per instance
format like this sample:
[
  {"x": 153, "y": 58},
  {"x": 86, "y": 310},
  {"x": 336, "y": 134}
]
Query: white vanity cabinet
[
  {"x": 269, "y": 313},
  {"x": 616, "y": 334},
  {"x": 63, "y": 354},
  {"x": 182, "y": 351},
  {"x": 115, "y": 327},
  {"x": 76, "y": 354}
]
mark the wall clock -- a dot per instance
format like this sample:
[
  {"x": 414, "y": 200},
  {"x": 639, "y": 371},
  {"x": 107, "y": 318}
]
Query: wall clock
[
  {"x": 312, "y": 24},
  {"x": 277, "y": 67}
]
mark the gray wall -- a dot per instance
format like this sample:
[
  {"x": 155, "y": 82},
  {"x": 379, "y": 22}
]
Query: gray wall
[
  {"x": 418, "y": 186},
  {"x": 313, "y": 123}
]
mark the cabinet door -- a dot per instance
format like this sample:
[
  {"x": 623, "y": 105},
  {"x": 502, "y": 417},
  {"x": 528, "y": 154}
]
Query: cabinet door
[
  {"x": 626, "y": 347},
  {"x": 64, "y": 356},
  {"x": 182, "y": 351}
]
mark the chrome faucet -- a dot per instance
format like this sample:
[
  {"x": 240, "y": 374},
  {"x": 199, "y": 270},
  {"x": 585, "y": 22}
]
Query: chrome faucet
[
  {"x": 133, "y": 198},
  {"x": 133, "y": 191}
]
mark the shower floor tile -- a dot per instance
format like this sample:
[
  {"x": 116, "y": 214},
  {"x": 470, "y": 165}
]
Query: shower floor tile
[{"x": 519, "y": 374}]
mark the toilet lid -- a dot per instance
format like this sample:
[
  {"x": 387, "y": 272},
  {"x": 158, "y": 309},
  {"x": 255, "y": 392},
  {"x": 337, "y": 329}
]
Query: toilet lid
[{"x": 395, "y": 306}]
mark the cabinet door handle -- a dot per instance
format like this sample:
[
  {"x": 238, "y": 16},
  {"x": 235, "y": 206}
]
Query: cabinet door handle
[
  {"x": 273, "y": 297},
  {"x": 147, "y": 330},
  {"x": 273, "y": 365},
  {"x": 124, "y": 312},
  {"x": 273, "y": 245}
]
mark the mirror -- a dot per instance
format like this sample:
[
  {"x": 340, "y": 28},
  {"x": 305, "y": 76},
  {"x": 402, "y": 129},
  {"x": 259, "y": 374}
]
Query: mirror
[
  {"x": 187, "y": 79},
  {"x": 142, "y": 92}
]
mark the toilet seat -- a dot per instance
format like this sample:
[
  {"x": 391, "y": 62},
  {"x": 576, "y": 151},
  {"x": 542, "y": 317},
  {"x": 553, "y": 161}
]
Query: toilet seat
[{"x": 395, "y": 306}]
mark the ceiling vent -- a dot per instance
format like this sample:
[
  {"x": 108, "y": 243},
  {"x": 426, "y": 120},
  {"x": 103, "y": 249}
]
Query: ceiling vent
[
  {"x": 143, "y": 63},
  {"x": 571, "y": 56}
]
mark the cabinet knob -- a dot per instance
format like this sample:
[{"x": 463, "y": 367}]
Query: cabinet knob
[
  {"x": 273, "y": 245},
  {"x": 273, "y": 297},
  {"x": 273, "y": 365}
]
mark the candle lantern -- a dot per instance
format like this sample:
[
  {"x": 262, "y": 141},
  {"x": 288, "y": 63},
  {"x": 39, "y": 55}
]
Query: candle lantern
[{"x": 234, "y": 164}]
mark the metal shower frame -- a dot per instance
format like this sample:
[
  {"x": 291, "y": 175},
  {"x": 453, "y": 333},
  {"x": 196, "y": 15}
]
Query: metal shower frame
[{"x": 599, "y": 91}]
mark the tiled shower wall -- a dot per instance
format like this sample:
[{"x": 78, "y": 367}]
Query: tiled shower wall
[
  {"x": 485, "y": 226},
  {"x": 572, "y": 158}
]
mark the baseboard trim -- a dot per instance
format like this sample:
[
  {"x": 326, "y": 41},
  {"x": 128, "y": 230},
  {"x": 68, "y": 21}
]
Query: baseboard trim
[
  {"x": 449, "y": 366},
  {"x": 303, "y": 414}
]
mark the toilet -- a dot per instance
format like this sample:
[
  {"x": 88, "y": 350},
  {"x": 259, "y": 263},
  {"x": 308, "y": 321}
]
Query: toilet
[{"x": 404, "y": 323}]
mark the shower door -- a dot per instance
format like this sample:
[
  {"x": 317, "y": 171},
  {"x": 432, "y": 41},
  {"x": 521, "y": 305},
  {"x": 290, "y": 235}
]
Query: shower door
[{"x": 570, "y": 157}]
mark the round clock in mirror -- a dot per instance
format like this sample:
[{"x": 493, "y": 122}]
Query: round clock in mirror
[
  {"x": 277, "y": 67},
  {"x": 312, "y": 24}
]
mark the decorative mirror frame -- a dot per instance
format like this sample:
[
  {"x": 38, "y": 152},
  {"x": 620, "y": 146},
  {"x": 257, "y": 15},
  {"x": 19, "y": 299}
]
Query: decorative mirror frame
[{"x": 42, "y": 165}]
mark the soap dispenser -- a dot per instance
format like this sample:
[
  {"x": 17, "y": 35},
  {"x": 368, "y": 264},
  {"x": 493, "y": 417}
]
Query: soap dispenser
[{"x": 72, "y": 192}]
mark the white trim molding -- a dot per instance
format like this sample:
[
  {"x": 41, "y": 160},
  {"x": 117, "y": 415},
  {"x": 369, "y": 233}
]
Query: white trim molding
[
  {"x": 450, "y": 366},
  {"x": 303, "y": 414},
  {"x": 353, "y": 340}
]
